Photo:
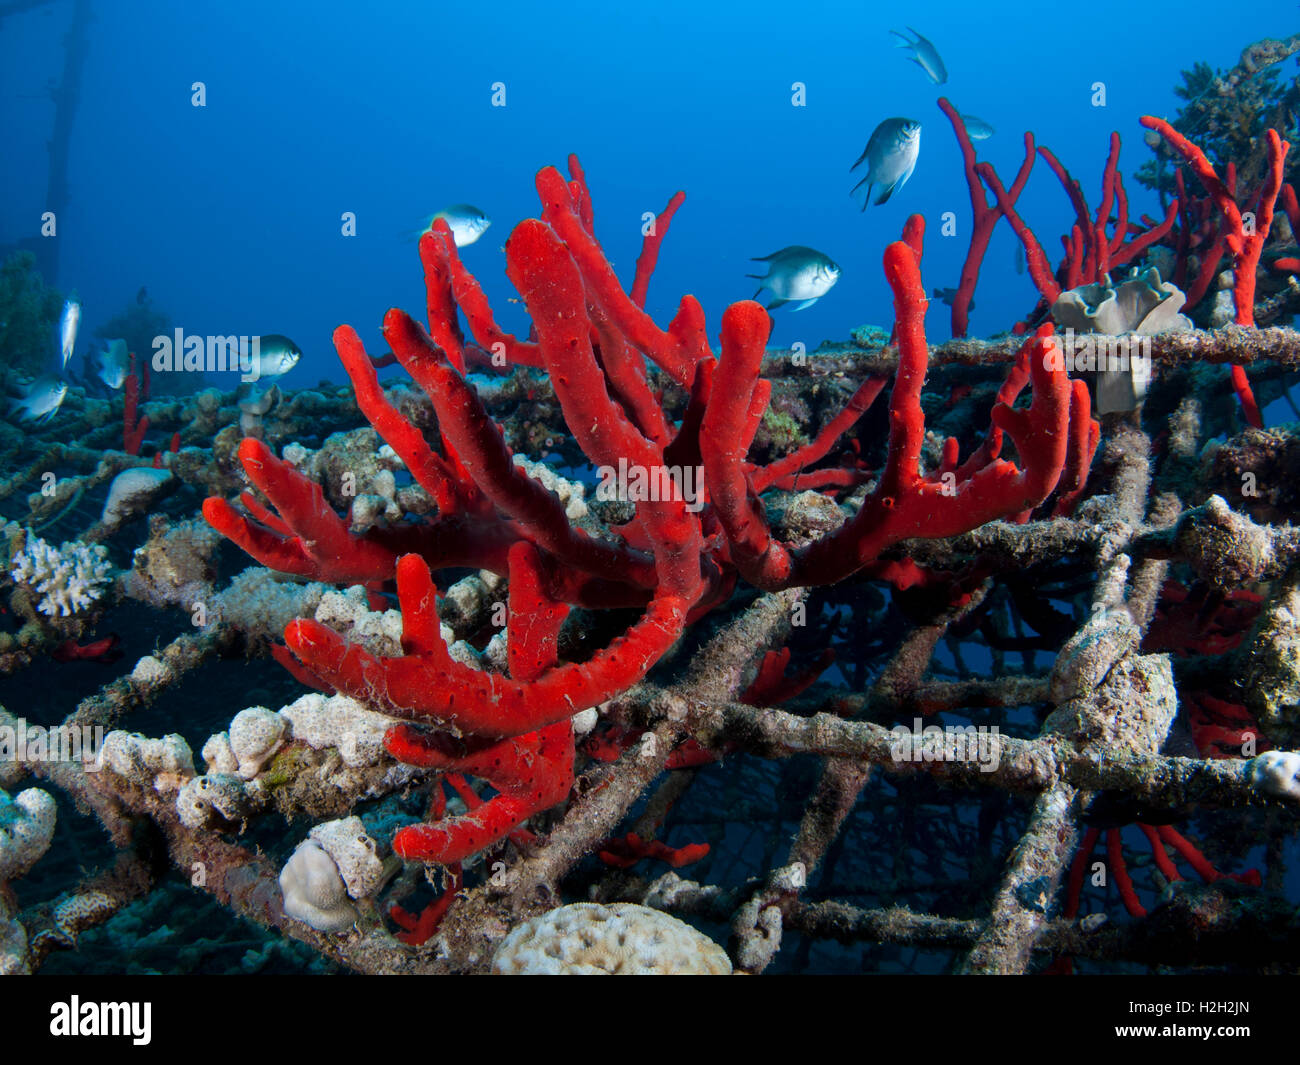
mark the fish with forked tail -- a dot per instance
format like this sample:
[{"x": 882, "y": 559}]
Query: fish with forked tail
[
  {"x": 924, "y": 54},
  {"x": 41, "y": 400},
  {"x": 890, "y": 155},
  {"x": 796, "y": 273},
  {"x": 112, "y": 364}
]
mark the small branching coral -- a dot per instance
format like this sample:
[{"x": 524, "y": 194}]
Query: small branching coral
[{"x": 69, "y": 578}]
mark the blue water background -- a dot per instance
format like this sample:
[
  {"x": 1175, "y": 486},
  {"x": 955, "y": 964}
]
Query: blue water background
[{"x": 231, "y": 213}]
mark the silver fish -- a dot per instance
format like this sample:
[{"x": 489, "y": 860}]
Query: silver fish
[
  {"x": 277, "y": 355},
  {"x": 467, "y": 223},
  {"x": 924, "y": 55},
  {"x": 890, "y": 155},
  {"x": 68, "y": 329},
  {"x": 113, "y": 364},
  {"x": 796, "y": 273},
  {"x": 976, "y": 128},
  {"x": 41, "y": 400}
]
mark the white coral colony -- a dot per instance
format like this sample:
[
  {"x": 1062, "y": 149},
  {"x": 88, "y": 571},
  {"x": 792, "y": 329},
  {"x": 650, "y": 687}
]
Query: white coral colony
[
  {"x": 619, "y": 939},
  {"x": 70, "y": 577},
  {"x": 1277, "y": 773}
]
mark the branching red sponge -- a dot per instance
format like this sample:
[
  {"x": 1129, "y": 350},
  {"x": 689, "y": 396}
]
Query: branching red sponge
[
  {"x": 595, "y": 340},
  {"x": 1246, "y": 242},
  {"x": 905, "y": 503}
]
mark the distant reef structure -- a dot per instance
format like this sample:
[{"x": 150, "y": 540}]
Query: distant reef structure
[
  {"x": 1227, "y": 112},
  {"x": 29, "y": 315}
]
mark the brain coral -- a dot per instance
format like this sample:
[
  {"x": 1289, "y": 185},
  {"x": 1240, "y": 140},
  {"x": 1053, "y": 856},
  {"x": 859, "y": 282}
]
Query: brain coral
[{"x": 620, "y": 939}]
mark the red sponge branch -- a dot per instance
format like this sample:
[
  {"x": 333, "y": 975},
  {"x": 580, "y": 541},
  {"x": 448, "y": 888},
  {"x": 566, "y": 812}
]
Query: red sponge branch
[
  {"x": 905, "y": 503},
  {"x": 431, "y": 472},
  {"x": 483, "y": 452},
  {"x": 626, "y": 851},
  {"x": 771, "y": 687},
  {"x": 1291, "y": 206},
  {"x": 530, "y": 773},
  {"x": 1035, "y": 258},
  {"x": 132, "y": 430},
  {"x": 319, "y": 543},
  {"x": 984, "y": 215},
  {"x": 1090, "y": 252},
  {"x": 817, "y": 448},
  {"x": 1246, "y": 243},
  {"x": 649, "y": 257},
  {"x": 680, "y": 553},
  {"x": 449, "y": 285},
  {"x": 548, "y": 278},
  {"x": 426, "y": 684},
  {"x": 1085, "y": 435},
  {"x": 309, "y": 539},
  {"x": 675, "y": 351}
]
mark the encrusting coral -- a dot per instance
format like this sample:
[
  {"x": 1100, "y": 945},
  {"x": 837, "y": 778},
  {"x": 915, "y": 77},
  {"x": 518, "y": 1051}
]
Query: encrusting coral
[
  {"x": 622, "y": 939},
  {"x": 26, "y": 828},
  {"x": 132, "y": 492}
]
